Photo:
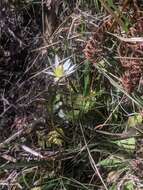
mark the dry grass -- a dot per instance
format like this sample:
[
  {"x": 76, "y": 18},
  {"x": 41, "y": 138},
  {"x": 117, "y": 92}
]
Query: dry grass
[{"x": 85, "y": 130}]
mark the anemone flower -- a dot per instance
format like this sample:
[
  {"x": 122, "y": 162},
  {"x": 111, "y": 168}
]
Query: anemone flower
[{"x": 61, "y": 69}]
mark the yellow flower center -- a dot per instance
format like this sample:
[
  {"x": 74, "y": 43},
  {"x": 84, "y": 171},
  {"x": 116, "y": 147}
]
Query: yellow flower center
[{"x": 59, "y": 71}]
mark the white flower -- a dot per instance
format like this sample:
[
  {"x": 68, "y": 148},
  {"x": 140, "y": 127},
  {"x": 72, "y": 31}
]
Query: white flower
[{"x": 61, "y": 69}]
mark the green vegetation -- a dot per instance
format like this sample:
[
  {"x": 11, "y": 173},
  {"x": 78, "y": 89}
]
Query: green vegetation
[{"x": 71, "y": 103}]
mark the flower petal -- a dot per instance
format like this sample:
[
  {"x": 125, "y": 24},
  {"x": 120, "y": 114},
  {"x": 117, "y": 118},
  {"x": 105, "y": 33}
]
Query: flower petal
[
  {"x": 49, "y": 73},
  {"x": 67, "y": 64},
  {"x": 57, "y": 60},
  {"x": 72, "y": 68}
]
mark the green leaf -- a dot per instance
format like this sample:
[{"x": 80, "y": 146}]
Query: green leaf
[
  {"x": 129, "y": 185},
  {"x": 127, "y": 144},
  {"x": 87, "y": 79},
  {"x": 110, "y": 162},
  {"x": 113, "y": 187},
  {"x": 111, "y": 4},
  {"x": 134, "y": 120}
]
